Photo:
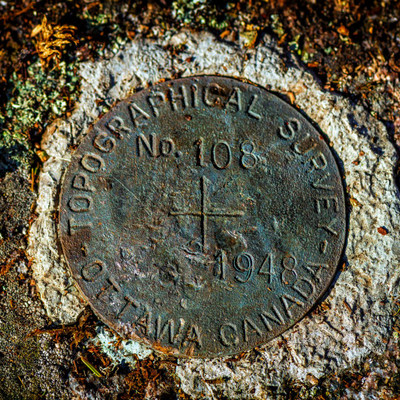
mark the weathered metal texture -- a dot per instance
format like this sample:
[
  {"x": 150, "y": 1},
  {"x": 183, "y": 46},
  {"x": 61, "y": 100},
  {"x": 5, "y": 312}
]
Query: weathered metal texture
[{"x": 203, "y": 216}]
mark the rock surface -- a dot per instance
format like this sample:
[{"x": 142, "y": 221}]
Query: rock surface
[{"x": 356, "y": 319}]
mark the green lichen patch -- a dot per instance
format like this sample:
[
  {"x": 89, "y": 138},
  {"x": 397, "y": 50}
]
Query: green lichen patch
[
  {"x": 32, "y": 104},
  {"x": 201, "y": 12}
]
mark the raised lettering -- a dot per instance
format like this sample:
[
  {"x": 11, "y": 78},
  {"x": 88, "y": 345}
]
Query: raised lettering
[
  {"x": 235, "y": 99},
  {"x": 314, "y": 269},
  {"x": 144, "y": 322},
  {"x": 196, "y": 99},
  {"x": 327, "y": 202},
  {"x": 92, "y": 271},
  {"x": 182, "y": 97},
  {"x": 181, "y": 327},
  {"x": 150, "y": 145},
  {"x": 288, "y": 302},
  {"x": 117, "y": 126},
  {"x": 138, "y": 115},
  {"x": 229, "y": 335},
  {"x": 322, "y": 246},
  {"x": 248, "y": 159},
  {"x": 167, "y": 147},
  {"x": 289, "y": 130},
  {"x": 215, "y": 159},
  {"x": 220, "y": 264},
  {"x": 244, "y": 263},
  {"x": 252, "y": 105},
  {"x": 319, "y": 165},
  {"x": 74, "y": 225},
  {"x": 267, "y": 267},
  {"x": 305, "y": 145},
  {"x": 215, "y": 91},
  {"x": 249, "y": 326},
  {"x": 104, "y": 142},
  {"x": 289, "y": 262},
  {"x": 92, "y": 162},
  {"x": 130, "y": 302},
  {"x": 200, "y": 152},
  {"x": 289, "y": 275},
  {"x": 161, "y": 330},
  {"x": 106, "y": 291},
  {"x": 319, "y": 183},
  {"x": 301, "y": 290},
  {"x": 276, "y": 318},
  {"x": 81, "y": 182},
  {"x": 329, "y": 228},
  {"x": 80, "y": 203},
  {"x": 193, "y": 336},
  {"x": 154, "y": 104}
]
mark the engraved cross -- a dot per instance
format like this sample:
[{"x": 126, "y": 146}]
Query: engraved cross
[{"x": 204, "y": 213}]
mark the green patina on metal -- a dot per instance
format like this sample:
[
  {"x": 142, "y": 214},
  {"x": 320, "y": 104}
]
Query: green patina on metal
[{"x": 203, "y": 216}]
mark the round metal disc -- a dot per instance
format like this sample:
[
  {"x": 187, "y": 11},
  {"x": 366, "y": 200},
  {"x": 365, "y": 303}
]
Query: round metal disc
[{"x": 203, "y": 216}]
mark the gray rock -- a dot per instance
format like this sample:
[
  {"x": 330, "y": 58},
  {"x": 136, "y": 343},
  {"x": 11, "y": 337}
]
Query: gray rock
[{"x": 356, "y": 322}]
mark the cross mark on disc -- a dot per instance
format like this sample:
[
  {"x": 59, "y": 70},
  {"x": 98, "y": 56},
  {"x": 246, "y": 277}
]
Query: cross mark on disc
[{"x": 204, "y": 213}]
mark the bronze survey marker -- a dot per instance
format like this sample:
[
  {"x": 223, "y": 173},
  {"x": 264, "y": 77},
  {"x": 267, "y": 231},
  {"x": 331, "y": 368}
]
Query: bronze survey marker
[{"x": 203, "y": 216}]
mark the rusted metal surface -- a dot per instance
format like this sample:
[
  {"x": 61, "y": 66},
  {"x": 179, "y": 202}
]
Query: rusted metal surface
[{"x": 203, "y": 216}]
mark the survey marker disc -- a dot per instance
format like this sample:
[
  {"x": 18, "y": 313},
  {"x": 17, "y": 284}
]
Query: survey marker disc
[{"x": 203, "y": 216}]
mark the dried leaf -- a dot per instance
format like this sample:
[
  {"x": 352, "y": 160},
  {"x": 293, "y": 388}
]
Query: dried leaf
[{"x": 52, "y": 40}]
